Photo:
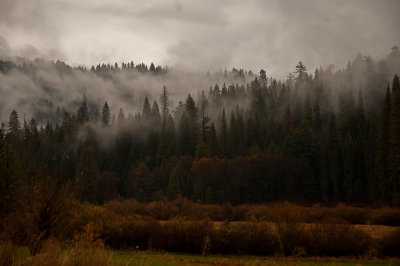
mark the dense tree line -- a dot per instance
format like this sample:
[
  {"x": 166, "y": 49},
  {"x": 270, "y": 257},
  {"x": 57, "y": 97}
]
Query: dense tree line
[{"x": 261, "y": 141}]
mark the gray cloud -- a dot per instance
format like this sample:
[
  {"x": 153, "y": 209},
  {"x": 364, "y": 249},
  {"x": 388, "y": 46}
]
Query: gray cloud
[{"x": 201, "y": 35}]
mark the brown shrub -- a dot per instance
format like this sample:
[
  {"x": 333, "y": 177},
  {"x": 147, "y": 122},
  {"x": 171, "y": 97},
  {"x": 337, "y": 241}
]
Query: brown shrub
[
  {"x": 55, "y": 254},
  {"x": 183, "y": 208},
  {"x": 136, "y": 234},
  {"x": 353, "y": 215},
  {"x": 43, "y": 213},
  {"x": 127, "y": 207},
  {"x": 185, "y": 236},
  {"x": 86, "y": 249},
  {"x": 389, "y": 245},
  {"x": 337, "y": 240},
  {"x": 324, "y": 239},
  {"x": 160, "y": 210},
  {"x": 292, "y": 238},
  {"x": 386, "y": 216},
  {"x": 244, "y": 238},
  {"x": 6, "y": 254}
]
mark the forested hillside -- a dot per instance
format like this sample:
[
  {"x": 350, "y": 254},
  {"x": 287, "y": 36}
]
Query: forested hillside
[{"x": 226, "y": 137}]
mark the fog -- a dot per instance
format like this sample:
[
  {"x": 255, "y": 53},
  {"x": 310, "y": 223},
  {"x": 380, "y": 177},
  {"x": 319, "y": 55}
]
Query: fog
[
  {"x": 45, "y": 89},
  {"x": 191, "y": 38},
  {"x": 200, "y": 35}
]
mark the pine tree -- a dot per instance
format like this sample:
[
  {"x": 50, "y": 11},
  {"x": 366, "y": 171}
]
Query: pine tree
[
  {"x": 121, "y": 116},
  {"x": 173, "y": 188},
  {"x": 224, "y": 90},
  {"x": 14, "y": 125},
  {"x": 394, "y": 143},
  {"x": 141, "y": 195},
  {"x": 212, "y": 143},
  {"x": 317, "y": 121},
  {"x": 382, "y": 159},
  {"x": 348, "y": 168},
  {"x": 330, "y": 157},
  {"x": 209, "y": 197},
  {"x": 87, "y": 176},
  {"x": 301, "y": 71},
  {"x": 10, "y": 176},
  {"x": 146, "y": 109},
  {"x": 167, "y": 127},
  {"x": 33, "y": 127},
  {"x": 287, "y": 121},
  {"x": 155, "y": 114},
  {"x": 198, "y": 191},
  {"x": 105, "y": 115},
  {"x": 190, "y": 107},
  {"x": 396, "y": 84},
  {"x": 302, "y": 144},
  {"x": 95, "y": 114},
  {"x": 234, "y": 134},
  {"x": 201, "y": 149},
  {"x": 223, "y": 136},
  {"x": 202, "y": 134},
  {"x": 139, "y": 178},
  {"x": 204, "y": 120},
  {"x": 83, "y": 113},
  {"x": 186, "y": 139},
  {"x": 164, "y": 104},
  {"x": 152, "y": 68},
  {"x": 180, "y": 183},
  {"x": 263, "y": 76},
  {"x": 188, "y": 127}
]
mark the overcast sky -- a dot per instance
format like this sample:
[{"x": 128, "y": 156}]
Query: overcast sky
[{"x": 201, "y": 35}]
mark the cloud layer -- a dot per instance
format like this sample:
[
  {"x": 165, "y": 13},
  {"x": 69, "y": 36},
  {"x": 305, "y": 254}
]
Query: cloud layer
[{"x": 200, "y": 35}]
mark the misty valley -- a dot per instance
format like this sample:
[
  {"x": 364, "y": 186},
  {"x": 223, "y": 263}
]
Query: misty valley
[{"x": 136, "y": 157}]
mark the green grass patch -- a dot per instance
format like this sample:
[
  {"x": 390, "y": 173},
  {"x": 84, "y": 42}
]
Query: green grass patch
[
  {"x": 21, "y": 253},
  {"x": 152, "y": 258}
]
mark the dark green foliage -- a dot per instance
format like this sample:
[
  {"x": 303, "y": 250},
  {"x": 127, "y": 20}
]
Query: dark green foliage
[
  {"x": 155, "y": 113},
  {"x": 139, "y": 180},
  {"x": 396, "y": 84},
  {"x": 223, "y": 136},
  {"x": 394, "y": 144},
  {"x": 180, "y": 183},
  {"x": 304, "y": 139},
  {"x": 209, "y": 197},
  {"x": 105, "y": 115},
  {"x": 121, "y": 116},
  {"x": 382, "y": 168},
  {"x": 146, "y": 109},
  {"x": 10, "y": 176},
  {"x": 14, "y": 125},
  {"x": 330, "y": 176},
  {"x": 83, "y": 113},
  {"x": 164, "y": 104},
  {"x": 301, "y": 71},
  {"x": 87, "y": 176}
]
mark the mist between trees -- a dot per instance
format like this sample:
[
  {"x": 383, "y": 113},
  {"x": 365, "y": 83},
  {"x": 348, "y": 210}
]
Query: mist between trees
[{"x": 153, "y": 133}]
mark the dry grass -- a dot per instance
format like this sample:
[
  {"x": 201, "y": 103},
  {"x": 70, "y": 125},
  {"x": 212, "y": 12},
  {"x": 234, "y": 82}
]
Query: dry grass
[
  {"x": 270, "y": 212},
  {"x": 85, "y": 250},
  {"x": 281, "y": 229},
  {"x": 53, "y": 253},
  {"x": 390, "y": 244},
  {"x": 6, "y": 254}
]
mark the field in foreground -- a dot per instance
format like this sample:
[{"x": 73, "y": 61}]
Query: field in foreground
[
  {"x": 92, "y": 235},
  {"x": 84, "y": 252},
  {"x": 98, "y": 256},
  {"x": 180, "y": 259}
]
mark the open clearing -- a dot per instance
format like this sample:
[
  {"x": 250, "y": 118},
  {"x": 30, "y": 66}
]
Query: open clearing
[
  {"x": 150, "y": 258},
  {"x": 153, "y": 258}
]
